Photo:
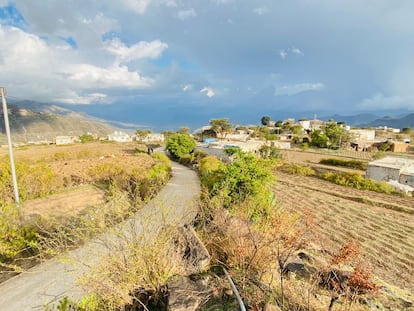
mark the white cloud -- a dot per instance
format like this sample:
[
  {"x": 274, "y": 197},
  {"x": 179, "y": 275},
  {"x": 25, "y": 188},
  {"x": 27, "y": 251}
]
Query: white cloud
[
  {"x": 187, "y": 87},
  {"x": 138, "y": 6},
  {"x": 185, "y": 14},
  {"x": 381, "y": 102},
  {"x": 292, "y": 50},
  {"x": 260, "y": 11},
  {"x": 85, "y": 76},
  {"x": 34, "y": 69},
  {"x": 140, "y": 50},
  {"x": 222, "y": 1},
  {"x": 170, "y": 3},
  {"x": 297, "y": 51},
  {"x": 209, "y": 91},
  {"x": 294, "y": 89},
  {"x": 283, "y": 54},
  {"x": 73, "y": 98}
]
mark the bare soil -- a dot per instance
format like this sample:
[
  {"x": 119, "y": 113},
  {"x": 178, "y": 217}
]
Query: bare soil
[{"x": 386, "y": 233}]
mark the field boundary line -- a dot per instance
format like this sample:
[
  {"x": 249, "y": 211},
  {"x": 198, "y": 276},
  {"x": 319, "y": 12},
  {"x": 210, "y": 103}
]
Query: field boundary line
[{"x": 394, "y": 207}]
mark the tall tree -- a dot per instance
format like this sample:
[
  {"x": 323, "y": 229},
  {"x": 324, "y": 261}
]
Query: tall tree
[
  {"x": 336, "y": 134},
  {"x": 265, "y": 120},
  {"x": 221, "y": 127}
]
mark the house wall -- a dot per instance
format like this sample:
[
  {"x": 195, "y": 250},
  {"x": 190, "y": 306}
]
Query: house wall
[
  {"x": 407, "y": 179},
  {"x": 363, "y": 134},
  {"x": 399, "y": 147},
  {"x": 280, "y": 144},
  {"x": 153, "y": 137},
  {"x": 64, "y": 140},
  {"x": 380, "y": 173}
]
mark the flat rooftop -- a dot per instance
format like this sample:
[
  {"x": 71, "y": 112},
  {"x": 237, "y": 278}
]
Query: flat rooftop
[{"x": 395, "y": 162}]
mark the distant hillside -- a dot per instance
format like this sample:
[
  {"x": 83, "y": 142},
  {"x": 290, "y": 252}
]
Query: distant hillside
[
  {"x": 48, "y": 122},
  {"x": 406, "y": 121},
  {"x": 354, "y": 120}
]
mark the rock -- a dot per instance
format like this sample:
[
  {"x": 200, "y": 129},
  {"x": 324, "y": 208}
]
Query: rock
[
  {"x": 187, "y": 295},
  {"x": 270, "y": 307},
  {"x": 305, "y": 257},
  {"x": 195, "y": 255},
  {"x": 294, "y": 267}
]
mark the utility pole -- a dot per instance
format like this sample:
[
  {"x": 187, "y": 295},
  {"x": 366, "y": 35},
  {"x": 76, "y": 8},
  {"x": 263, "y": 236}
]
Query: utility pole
[{"x": 9, "y": 143}]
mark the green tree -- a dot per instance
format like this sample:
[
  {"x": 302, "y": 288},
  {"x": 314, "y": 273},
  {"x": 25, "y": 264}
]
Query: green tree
[
  {"x": 296, "y": 129},
  {"x": 265, "y": 120},
  {"x": 141, "y": 134},
  {"x": 221, "y": 127},
  {"x": 184, "y": 130},
  {"x": 86, "y": 138},
  {"x": 319, "y": 139},
  {"x": 180, "y": 145},
  {"x": 336, "y": 134}
]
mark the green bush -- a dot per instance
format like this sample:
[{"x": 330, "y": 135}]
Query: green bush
[
  {"x": 357, "y": 181},
  {"x": 179, "y": 145},
  {"x": 207, "y": 166},
  {"x": 296, "y": 169},
  {"x": 186, "y": 159},
  {"x": 247, "y": 176},
  {"x": 15, "y": 237},
  {"x": 268, "y": 152},
  {"x": 359, "y": 165},
  {"x": 34, "y": 181}
]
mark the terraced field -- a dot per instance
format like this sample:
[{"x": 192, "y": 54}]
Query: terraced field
[{"x": 384, "y": 224}]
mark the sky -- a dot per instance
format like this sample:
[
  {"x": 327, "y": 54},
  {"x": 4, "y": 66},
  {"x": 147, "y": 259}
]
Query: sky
[{"x": 182, "y": 62}]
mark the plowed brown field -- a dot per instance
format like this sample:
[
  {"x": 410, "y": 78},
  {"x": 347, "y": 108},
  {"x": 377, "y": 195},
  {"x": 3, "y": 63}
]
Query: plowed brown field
[{"x": 383, "y": 224}]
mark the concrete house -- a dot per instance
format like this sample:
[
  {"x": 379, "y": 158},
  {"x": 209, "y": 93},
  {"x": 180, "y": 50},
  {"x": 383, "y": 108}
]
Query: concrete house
[
  {"x": 392, "y": 168},
  {"x": 120, "y": 137},
  {"x": 153, "y": 138},
  {"x": 65, "y": 140}
]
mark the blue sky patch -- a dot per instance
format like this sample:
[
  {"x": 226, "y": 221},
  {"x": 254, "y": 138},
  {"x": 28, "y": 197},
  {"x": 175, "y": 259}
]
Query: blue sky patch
[
  {"x": 10, "y": 16},
  {"x": 70, "y": 41}
]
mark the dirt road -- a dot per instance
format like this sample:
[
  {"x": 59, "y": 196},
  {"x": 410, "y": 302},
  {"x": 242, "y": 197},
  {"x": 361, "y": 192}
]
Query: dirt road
[{"x": 176, "y": 204}]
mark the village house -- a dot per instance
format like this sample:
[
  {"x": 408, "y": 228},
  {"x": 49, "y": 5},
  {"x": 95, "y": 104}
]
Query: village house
[
  {"x": 119, "y": 137},
  {"x": 392, "y": 168},
  {"x": 65, "y": 140},
  {"x": 153, "y": 138}
]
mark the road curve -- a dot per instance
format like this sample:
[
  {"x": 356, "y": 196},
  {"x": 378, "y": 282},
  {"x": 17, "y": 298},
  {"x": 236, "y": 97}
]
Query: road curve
[{"x": 175, "y": 204}]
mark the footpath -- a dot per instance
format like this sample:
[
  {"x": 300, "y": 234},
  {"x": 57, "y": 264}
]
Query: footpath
[{"x": 50, "y": 281}]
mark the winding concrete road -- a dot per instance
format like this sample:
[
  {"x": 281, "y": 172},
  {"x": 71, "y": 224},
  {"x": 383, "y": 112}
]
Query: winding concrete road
[{"x": 175, "y": 204}]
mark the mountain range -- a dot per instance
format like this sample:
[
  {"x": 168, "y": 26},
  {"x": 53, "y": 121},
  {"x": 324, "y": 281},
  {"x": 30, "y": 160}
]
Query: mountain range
[{"x": 30, "y": 120}]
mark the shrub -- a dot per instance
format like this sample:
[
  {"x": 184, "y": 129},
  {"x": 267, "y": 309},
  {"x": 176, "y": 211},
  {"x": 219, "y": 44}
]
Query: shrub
[
  {"x": 15, "y": 236},
  {"x": 34, "y": 181},
  {"x": 359, "y": 165},
  {"x": 180, "y": 144},
  {"x": 357, "y": 181},
  {"x": 246, "y": 176},
  {"x": 186, "y": 159},
  {"x": 296, "y": 169},
  {"x": 378, "y": 155},
  {"x": 268, "y": 152}
]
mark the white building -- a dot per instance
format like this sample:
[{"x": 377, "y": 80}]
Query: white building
[
  {"x": 119, "y": 137},
  {"x": 153, "y": 138},
  {"x": 392, "y": 168},
  {"x": 306, "y": 124},
  {"x": 362, "y": 134},
  {"x": 65, "y": 140}
]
